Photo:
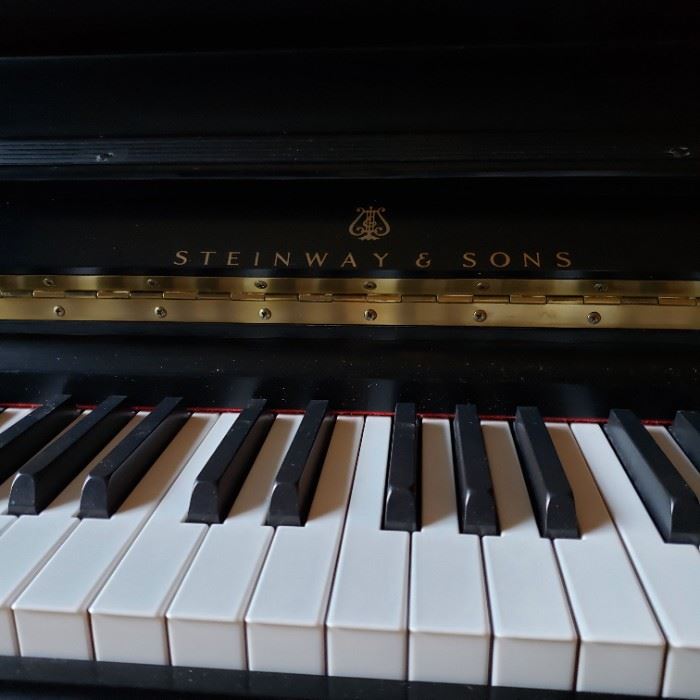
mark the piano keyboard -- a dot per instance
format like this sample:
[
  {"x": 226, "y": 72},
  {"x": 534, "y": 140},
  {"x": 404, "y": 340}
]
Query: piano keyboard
[{"x": 513, "y": 553}]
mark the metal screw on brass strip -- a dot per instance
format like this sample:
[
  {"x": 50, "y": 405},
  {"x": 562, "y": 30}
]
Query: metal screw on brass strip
[
  {"x": 370, "y": 285},
  {"x": 370, "y": 315},
  {"x": 160, "y": 312},
  {"x": 679, "y": 151},
  {"x": 593, "y": 318},
  {"x": 260, "y": 284},
  {"x": 48, "y": 282},
  {"x": 480, "y": 315},
  {"x": 151, "y": 282},
  {"x": 600, "y": 287},
  {"x": 482, "y": 285},
  {"x": 59, "y": 311},
  {"x": 265, "y": 314}
]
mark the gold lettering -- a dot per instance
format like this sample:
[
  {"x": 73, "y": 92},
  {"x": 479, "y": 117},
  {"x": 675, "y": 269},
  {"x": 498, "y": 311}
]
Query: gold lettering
[
  {"x": 280, "y": 258},
  {"x": 349, "y": 260},
  {"x": 527, "y": 258},
  {"x": 232, "y": 259},
  {"x": 563, "y": 259},
  {"x": 380, "y": 258},
  {"x": 256, "y": 260},
  {"x": 504, "y": 259},
  {"x": 207, "y": 254},
  {"x": 469, "y": 260},
  {"x": 423, "y": 260},
  {"x": 316, "y": 258},
  {"x": 182, "y": 257}
]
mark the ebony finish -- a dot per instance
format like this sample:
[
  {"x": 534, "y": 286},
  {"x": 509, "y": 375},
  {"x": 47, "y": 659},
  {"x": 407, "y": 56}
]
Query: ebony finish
[
  {"x": 686, "y": 430},
  {"x": 139, "y": 227},
  {"x": 550, "y": 492},
  {"x": 41, "y": 479},
  {"x": 475, "y": 499},
  {"x": 221, "y": 478},
  {"x": 498, "y": 369},
  {"x": 99, "y": 680},
  {"x": 559, "y": 109},
  {"x": 402, "y": 498},
  {"x": 111, "y": 481},
  {"x": 71, "y": 27},
  {"x": 296, "y": 479},
  {"x": 669, "y": 500},
  {"x": 27, "y": 436}
]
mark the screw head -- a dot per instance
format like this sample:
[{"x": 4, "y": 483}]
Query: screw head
[
  {"x": 59, "y": 311},
  {"x": 150, "y": 282},
  {"x": 160, "y": 312},
  {"x": 370, "y": 315},
  {"x": 48, "y": 282},
  {"x": 370, "y": 285},
  {"x": 480, "y": 315},
  {"x": 593, "y": 318},
  {"x": 482, "y": 285},
  {"x": 600, "y": 287},
  {"x": 679, "y": 151},
  {"x": 260, "y": 284},
  {"x": 265, "y": 314}
]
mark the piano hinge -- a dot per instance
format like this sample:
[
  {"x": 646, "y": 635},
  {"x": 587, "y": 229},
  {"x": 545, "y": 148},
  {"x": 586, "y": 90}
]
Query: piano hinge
[{"x": 547, "y": 303}]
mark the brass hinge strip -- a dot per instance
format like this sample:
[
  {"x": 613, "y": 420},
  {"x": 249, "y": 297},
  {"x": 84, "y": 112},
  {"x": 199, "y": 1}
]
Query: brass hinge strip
[{"x": 544, "y": 311}]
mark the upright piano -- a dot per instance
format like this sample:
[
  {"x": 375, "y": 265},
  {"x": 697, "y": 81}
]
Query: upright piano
[{"x": 350, "y": 351}]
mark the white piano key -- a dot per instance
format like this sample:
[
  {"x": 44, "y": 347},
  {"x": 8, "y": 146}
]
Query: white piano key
[
  {"x": 52, "y": 617},
  {"x": 621, "y": 647},
  {"x": 449, "y": 631},
  {"x": 534, "y": 636},
  {"x": 367, "y": 617},
  {"x": 285, "y": 622},
  {"x": 676, "y": 456},
  {"x": 669, "y": 573},
  {"x": 128, "y": 614},
  {"x": 25, "y": 546},
  {"x": 206, "y": 618}
]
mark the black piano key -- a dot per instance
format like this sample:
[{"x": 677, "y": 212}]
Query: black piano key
[
  {"x": 111, "y": 481},
  {"x": 668, "y": 499},
  {"x": 296, "y": 479},
  {"x": 686, "y": 430},
  {"x": 219, "y": 482},
  {"x": 402, "y": 504},
  {"x": 46, "y": 474},
  {"x": 550, "y": 492},
  {"x": 475, "y": 500},
  {"x": 27, "y": 436}
]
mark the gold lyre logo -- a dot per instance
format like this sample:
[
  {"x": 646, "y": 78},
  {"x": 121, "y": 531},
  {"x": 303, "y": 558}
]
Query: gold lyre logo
[{"x": 369, "y": 224}]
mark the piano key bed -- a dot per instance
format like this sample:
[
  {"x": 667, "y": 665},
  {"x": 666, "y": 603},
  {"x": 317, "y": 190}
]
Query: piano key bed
[{"x": 322, "y": 555}]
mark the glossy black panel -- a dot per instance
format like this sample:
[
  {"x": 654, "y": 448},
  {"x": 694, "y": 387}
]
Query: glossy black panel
[
  {"x": 71, "y": 27},
  {"x": 90, "y": 680},
  {"x": 467, "y": 228},
  {"x": 359, "y": 368}
]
